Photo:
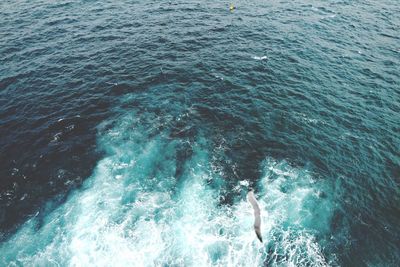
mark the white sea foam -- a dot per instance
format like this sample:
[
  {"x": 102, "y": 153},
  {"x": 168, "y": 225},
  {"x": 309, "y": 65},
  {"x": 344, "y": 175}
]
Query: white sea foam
[{"x": 148, "y": 217}]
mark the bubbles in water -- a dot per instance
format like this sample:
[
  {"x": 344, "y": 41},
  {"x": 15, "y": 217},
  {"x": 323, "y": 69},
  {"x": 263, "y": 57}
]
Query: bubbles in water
[{"x": 135, "y": 211}]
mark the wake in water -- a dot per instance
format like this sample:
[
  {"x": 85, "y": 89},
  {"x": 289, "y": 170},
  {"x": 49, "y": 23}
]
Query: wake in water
[{"x": 135, "y": 210}]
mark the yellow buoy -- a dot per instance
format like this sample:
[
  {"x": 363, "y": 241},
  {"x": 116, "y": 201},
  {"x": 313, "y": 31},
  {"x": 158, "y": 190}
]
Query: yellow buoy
[{"x": 232, "y": 7}]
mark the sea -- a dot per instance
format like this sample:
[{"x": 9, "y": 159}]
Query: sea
[{"x": 131, "y": 132}]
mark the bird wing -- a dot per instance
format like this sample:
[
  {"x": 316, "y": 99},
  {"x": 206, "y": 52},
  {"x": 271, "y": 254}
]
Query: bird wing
[{"x": 257, "y": 214}]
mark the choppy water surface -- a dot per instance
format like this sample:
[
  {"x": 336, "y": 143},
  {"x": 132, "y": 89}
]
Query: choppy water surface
[{"x": 131, "y": 130}]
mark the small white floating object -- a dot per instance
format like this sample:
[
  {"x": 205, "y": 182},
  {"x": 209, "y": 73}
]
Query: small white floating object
[{"x": 260, "y": 58}]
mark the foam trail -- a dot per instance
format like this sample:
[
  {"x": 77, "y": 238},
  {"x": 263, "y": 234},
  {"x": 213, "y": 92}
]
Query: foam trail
[
  {"x": 294, "y": 214},
  {"x": 134, "y": 211}
]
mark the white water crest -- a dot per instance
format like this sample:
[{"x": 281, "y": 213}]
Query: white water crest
[{"x": 135, "y": 211}]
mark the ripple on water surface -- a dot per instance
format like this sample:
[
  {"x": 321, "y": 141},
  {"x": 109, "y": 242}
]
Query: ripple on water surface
[{"x": 190, "y": 102}]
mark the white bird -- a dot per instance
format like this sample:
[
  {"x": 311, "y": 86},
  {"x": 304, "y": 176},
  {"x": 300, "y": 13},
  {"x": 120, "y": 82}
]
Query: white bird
[{"x": 257, "y": 218}]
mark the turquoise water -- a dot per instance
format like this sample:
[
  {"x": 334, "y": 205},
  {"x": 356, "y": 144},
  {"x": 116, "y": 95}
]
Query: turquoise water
[{"x": 131, "y": 132}]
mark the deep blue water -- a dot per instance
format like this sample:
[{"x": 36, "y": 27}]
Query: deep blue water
[{"x": 130, "y": 132}]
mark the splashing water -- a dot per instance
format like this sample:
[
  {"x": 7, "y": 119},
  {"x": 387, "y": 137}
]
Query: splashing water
[{"x": 135, "y": 211}]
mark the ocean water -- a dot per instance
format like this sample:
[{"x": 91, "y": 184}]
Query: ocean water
[{"x": 131, "y": 131}]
